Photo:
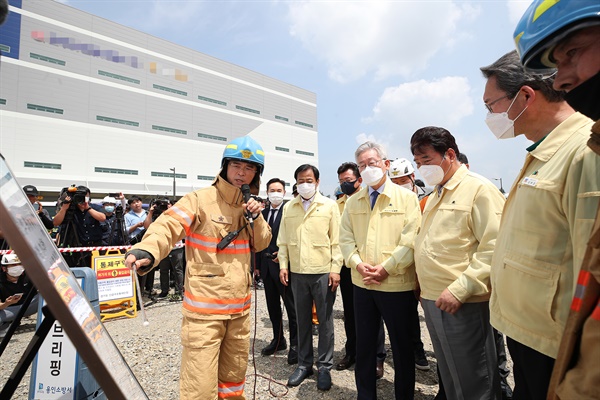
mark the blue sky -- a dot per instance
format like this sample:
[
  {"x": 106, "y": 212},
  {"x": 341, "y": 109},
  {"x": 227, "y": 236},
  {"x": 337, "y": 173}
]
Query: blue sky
[{"x": 380, "y": 69}]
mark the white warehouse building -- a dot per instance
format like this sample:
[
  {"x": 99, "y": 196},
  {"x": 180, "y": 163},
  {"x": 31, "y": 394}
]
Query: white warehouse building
[{"x": 87, "y": 101}]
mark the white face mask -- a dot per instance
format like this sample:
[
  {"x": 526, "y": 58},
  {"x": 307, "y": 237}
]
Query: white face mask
[
  {"x": 433, "y": 174},
  {"x": 15, "y": 271},
  {"x": 501, "y": 126},
  {"x": 408, "y": 186},
  {"x": 307, "y": 190},
  {"x": 371, "y": 175},
  {"x": 87, "y": 199},
  {"x": 276, "y": 198}
]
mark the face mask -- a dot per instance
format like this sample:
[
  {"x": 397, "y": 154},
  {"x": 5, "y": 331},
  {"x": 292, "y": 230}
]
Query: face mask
[
  {"x": 371, "y": 175},
  {"x": 501, "y": 126},
  {"x": 433, "y": 174},
  {"x": 276, "y": 198},
  {"x": 15, "y": 271},
  {"x": 408, "y": 186},
  {"x": 348, "y": 187},
  {"x": 307, "y": 190},
  {"x": 584, "y": 97},
  {"x": 87, "y": 199},
  {"x": 109, "y": 209}
]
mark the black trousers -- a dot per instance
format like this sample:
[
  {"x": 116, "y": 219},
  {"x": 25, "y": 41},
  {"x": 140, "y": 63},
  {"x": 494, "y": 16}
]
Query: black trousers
[
  {"x": 398, "y": 311},
  {"x": 274, "y": 291},
  {"x": 531, "y": 369},
  {"x": 347, "y": 291}
]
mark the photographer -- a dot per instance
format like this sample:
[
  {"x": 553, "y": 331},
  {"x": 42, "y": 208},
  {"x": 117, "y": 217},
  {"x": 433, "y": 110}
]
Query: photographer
[
  {"x": 114, "y": 234},
  {"x": 172, "y": 264},
  {"x": 80, "y": 223},
  {"x": 32, "y": 194}
]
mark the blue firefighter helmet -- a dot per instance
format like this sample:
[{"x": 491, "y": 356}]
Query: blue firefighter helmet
[
  {"x": 545, "y": 23},
  {"x": 245, "y": 149}
]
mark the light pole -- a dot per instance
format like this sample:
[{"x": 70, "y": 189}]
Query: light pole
[
  {"x": 501, "y": 188},
  {"x": 174, "y": 194}
]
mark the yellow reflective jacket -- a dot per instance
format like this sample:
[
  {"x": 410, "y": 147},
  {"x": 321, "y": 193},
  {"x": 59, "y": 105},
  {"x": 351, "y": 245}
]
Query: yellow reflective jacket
[
  {"x": 383, "y": 236},
  {"x": 454, "y": 247},
  {"x": 217, "y": 282},
  {"x": 309, "y": 240},
  {"x": 545, "y": 227}
]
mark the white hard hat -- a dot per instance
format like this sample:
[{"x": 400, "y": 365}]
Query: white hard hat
[
  {"x": 400, "y": 167},
  {"x": 10, "y": 259},
  {"x": 109, "y": 199}
]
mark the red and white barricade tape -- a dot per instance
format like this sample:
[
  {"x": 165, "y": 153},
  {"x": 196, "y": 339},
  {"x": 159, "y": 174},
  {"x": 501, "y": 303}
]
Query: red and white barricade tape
[{"x": 92, "y": 248}]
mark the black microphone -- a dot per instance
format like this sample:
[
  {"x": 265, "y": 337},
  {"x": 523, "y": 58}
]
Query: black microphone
[
  {"x": 419, "y": 183},
  {"x": 246, "y": 194}
]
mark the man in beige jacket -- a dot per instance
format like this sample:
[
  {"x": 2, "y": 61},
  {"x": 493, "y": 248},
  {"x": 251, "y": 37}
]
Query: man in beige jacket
[{"x": 309, "y": 250}]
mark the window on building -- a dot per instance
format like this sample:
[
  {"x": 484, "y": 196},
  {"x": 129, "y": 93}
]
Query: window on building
[
  {"x": 47, "y": 59},
  {"x": 168, "y": 175},
  {"x": 282, "y": 149},
  {"x": 117, "y": 121},
  {"x": 3, "y": 102},
  {"x": 206, "y": 178},
  {"x": 167, "y": 129},
  {"x": 4, "y": 48},
  {"x": 215, "y": 101},
  {"x": 115, "y": 171},
  {"x": 170, "y": 90},
  {"x": 305, "y": 153},
  {"x": 119, "y": 77},
  {"x": 35, "y": 164},
  {"x": 212, "y": 137},
  {"x": 47, "y": 109},
  {"x": 250, "y": 110},
  {"x": 303, "y": 124},
  {"x": 281, "y": 118}
]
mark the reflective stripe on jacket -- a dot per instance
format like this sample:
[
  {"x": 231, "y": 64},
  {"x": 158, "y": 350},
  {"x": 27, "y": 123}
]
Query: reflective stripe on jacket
[{"x": 217, "y": 282}]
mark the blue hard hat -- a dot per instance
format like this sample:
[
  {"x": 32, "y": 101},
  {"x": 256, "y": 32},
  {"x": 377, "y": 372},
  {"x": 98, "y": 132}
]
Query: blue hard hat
[
  {"x": 546, "y": 22},
  {"x": 245, "y": 149}
]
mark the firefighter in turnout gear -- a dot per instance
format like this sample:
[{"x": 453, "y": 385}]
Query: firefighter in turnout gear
[{"x": 216, "y": 321}]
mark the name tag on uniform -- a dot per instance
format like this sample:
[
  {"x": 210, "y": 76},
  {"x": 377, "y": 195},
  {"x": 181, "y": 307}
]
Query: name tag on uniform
[{"x": 529, "y": 181}]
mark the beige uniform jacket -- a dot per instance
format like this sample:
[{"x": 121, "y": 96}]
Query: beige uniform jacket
[
  {"x": 217, "y": 282},
  {"x": 545, "y": 227},
  {"x": 308, "y": 240},
  {"x": 458, "y": 233},
  {"x": 382, "y": 236}
]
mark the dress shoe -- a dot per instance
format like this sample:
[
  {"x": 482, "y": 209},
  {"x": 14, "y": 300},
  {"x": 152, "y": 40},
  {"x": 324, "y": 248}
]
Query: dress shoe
[
  {"x": 345, "y": 363},
  {"x": 379, "y": 370},
  {"x": 299, "y": 375},
  {"x": 274, "y": 346},
  {"x": 293, "y": 355},
  {"x": 421, "y": 362},
  {"x": 324, "y": 379}
]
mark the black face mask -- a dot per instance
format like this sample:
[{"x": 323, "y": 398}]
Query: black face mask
[
  {"x": 585, "y": 98},
  {"x": 348, "y": 187}
]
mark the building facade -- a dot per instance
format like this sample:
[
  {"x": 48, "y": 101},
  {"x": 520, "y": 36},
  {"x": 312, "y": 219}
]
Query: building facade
[{"x": 87, "y": 101}]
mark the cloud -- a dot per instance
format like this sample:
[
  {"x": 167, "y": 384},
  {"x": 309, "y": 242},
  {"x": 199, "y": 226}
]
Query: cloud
[
  {"x": 380, "y": 37},
  {"x": 410, "y": 106},
  {"x": 516, "y": 9}
]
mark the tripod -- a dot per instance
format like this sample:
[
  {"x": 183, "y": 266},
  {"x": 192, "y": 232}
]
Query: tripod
[
  {"x": 117, "y": 228},
  {"x": 68, "y": 237}
]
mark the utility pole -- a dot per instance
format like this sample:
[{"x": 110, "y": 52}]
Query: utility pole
[
  {"x": 174, "y": 185},
  {"x": 501, "y": 188}
]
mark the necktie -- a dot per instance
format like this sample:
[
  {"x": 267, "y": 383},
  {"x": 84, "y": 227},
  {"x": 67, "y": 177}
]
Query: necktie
[
  {"x": 374, "y": 198},
  {"x": 272, "y": 216}
]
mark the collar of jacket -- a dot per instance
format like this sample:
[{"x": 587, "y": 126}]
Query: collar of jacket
[
  {"x": 457, "y": 178},
  {"x": 231, "y": 194},
  {"x": 594, "y": 142},
  {"x": 364, "y": 192},
  {"x": 559, "y": 136},
  {"x": 298, "y": 200}
]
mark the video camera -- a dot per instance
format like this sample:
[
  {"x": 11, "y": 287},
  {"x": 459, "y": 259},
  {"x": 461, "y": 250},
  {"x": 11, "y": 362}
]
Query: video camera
[
  {"x": 160, "y": 205},
  {"x": 75, "y": 193}
]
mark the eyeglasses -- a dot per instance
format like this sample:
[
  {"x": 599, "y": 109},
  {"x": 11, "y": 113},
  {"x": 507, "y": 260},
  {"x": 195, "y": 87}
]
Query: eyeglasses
[
  {"x": 372, "y": 163},
  {"x": 490, "y": 104},
  {"x": 246, "y": 168}
]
